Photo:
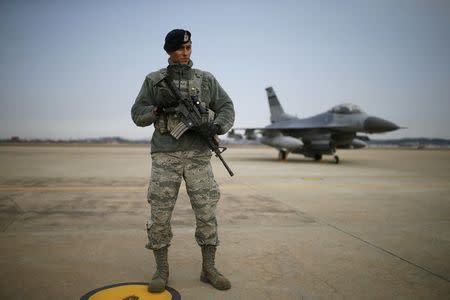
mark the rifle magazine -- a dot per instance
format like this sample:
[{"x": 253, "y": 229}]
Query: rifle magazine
[{"x": 178, "y": 130}]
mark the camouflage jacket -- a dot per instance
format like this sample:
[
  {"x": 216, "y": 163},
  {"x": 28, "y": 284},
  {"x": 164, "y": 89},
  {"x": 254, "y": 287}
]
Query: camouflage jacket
[{"x": 184, "y": 77}]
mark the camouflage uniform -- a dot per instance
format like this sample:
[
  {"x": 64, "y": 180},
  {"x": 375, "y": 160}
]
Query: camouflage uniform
[
  {"x": 167, "y": 171},
  {"x": 187, "y": 157}
]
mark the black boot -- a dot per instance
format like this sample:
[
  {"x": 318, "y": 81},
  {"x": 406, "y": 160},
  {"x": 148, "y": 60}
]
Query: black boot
[
  {"x": 159, "y": 280},
  {"x": 209, "y": 272}
]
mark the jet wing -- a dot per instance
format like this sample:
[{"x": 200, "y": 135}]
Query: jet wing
[
  {"x": 304, "y": 128},
  {"x": 319, "y": 123}
]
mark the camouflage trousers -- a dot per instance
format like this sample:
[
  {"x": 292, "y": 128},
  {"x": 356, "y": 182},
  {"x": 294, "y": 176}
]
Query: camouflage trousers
[{"x": 168, "y": 170}]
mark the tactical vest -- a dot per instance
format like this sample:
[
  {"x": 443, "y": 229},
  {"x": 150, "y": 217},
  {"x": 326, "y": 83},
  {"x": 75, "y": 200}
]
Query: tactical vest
[{"x": 167, "y": 122}]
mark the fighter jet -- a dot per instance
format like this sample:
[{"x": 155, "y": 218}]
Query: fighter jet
[{"x": 318, "y": 135}]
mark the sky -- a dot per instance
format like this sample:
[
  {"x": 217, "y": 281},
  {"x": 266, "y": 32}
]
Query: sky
[{"x": 73, "y": 69}]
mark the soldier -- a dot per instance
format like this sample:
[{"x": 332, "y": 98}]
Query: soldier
[{"x": 187, "y": 156}]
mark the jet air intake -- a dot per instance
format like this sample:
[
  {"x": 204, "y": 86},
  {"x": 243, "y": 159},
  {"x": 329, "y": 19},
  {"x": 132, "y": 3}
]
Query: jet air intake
[{"x": 321, "y": 146}]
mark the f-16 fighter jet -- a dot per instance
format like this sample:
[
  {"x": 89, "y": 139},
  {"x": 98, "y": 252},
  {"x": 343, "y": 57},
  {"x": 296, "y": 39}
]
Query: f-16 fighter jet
[{"x": 318, "y": 135}]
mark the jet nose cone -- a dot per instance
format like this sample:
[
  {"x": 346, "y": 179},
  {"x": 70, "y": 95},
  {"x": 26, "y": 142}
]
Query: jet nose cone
[{"x": 374, "y": 124}]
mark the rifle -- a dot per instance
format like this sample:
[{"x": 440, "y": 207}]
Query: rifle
[{"x": 192, "y": 114}]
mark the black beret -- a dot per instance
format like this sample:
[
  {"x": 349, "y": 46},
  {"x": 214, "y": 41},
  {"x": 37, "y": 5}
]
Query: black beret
[{"x": 175, "y": 39}]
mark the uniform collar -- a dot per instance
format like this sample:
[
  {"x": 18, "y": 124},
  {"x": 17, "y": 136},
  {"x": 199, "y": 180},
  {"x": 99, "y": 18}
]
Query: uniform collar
[
  {"x": 178, "y": 70},
  {"x": 177, "y": 65}
]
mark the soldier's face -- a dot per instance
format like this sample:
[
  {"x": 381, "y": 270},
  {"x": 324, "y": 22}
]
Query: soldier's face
[{"x": 182, "y": 55}]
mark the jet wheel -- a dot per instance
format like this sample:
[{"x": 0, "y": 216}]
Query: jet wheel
[
  {"x": 317, "y": 157},
  {"x": 336, "y": 159},
  {"x": 282, "y": 155}
]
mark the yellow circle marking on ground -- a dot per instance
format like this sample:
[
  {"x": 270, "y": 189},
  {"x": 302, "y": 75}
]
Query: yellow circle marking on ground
[{"x": 126, "y": 291}]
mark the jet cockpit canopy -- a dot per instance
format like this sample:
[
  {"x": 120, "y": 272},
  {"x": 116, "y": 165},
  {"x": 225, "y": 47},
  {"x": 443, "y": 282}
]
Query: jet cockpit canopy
[{"x": 346, "y": 108}]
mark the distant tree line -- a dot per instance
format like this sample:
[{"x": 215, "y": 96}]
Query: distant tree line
[
  {"x": 101, "y": 140},
  {"x": 412, "y": 141}
]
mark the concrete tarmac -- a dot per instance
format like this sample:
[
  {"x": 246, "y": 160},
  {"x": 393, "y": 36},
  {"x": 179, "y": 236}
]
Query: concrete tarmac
[{"x": 376, "y": 226}]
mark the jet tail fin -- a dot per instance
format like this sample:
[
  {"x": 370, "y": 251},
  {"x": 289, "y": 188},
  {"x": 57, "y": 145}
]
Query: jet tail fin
[{"x": 276, "y": 110}]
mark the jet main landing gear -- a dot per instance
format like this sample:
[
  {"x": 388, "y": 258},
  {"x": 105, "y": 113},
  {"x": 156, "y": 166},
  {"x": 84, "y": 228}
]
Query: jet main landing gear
[
  {"x": 282, "y": 155},
  {"x": 336, "y": 159},
  {"x": 317, "y": 157}
]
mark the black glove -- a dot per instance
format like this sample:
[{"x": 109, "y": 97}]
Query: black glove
[
  {"x": 209, "y": 129},
  {"x": 165, "y": 99}
]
